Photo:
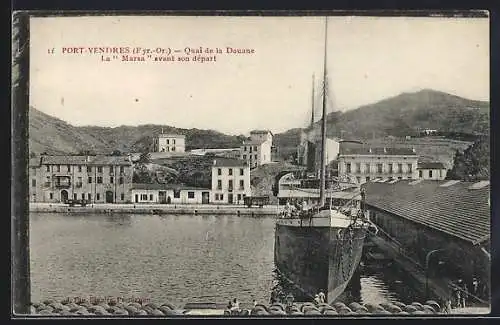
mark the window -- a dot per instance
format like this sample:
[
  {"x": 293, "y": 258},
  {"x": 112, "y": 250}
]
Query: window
[
  {"x": 33, "y": 182},
  {"x": 239, "y": 197},
  {"x": 168, "y": 141},
  {"x": 222, "y": 197},
  {"x": 90, "y": 180},
  {"x": 150, "y": 197},
  {"x": 430, "y": 173},
  {"x": 58, "y": 168},
  {"x": 379, "y": 168},
  {"x": 219, "y": 171},
  {"x": 68, "y": 167},
  {"x": 80, "y": 168},
  {"x": 48, "y": 168},
  {"x": 255, "y": 148},
  {"x": 122, "y": 197},
  {"x": 190, "y": 195},
  {"x": 420, "y": 173},
  {"x": 230, "y": 171},
  {"x": 89, "y": 196},
  {"x": 98, "y": 196},
  {"x": 33, "y": 169},
  {"x": 219, "y": 184},
  {"x": 358, "y": 168},
  {"x": 99, "y": 179},
  {"x": 99, "y": 169},
  {"x": 177, "y": 194},
  {"x": 367, "y": 168},
  {"x": 230, "y": 185},
  {"x": 79, "y": 182},
  {"x": 244, "y": 148},
  {"x": 121, "y": 169},
  {"x": 242, "y": 184},
  {"x": 255, "y": 156},
  {"x": 51, "y": 195},
  {"x": 144, "y": 197},
  {"x": 400, "y": 168},
  {"x": 216, "y": 197},
  {"x": 244, "y": 156},
  {"x": 390, "y": 169},
  {"x": 173, "y": 141},
  {"x": 367, "y": 178},
  {"x": 74, "y": 196},
  {"x": 242, "y": 171},
  {"x": 173, "y": 148},
  {"x": 111, "y": 179},
  {"x": 348, "y": 168},
  {"x": 89, "y": 169},
  {"x": 250, "y": 149},
  {"x": 121, "y": 180},
  {"x": 410, "y": 168},
  {"x": 83, "y": 196},
  {"x": 111, "y": 170},
  {"x": 440, "y": 173}
]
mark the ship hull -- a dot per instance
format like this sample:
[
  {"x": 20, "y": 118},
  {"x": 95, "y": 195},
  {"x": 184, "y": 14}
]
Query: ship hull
[{"x": 318, "y": 258}]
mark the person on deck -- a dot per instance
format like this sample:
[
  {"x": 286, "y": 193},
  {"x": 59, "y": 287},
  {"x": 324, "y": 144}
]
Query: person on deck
[
  {"x": 317, "y": 300},
  {"x": 235, "y": 306},
  {"x": 322, "y": 296}
]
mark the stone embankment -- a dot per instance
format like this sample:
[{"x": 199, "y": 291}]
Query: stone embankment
[
  {"x": 116, "y": 308},
  {"x": 205, "y": 209}
]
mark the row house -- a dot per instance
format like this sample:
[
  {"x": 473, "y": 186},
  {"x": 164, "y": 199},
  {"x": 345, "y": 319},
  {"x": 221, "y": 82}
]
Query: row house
[
  {"x": 169, "y": 194},
  {"x": 365, "y": 164},
  {"x": 230, "y": 181},
  {"x": 258, "y": 149},
  {"x": 431, "y": 170},
  {"x": 96, "y": 179}
]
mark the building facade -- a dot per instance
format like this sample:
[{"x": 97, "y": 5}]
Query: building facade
[
  {"x": 309, "y": 153},
  {"x": 169, "y": 143},
  {"x": 169, "y": 194},
  {"x": 96, "y": 179},
  {"x": 365, "y": 164},
  {"x": 431, "y": 170},
  {"x": 230, "y": 181},
  {"x": 258, "y": 149}
]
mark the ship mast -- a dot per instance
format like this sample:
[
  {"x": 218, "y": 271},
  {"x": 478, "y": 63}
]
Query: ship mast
[
  {"x": 322, "y": 182},
  {"x": 312, "y": 103}
]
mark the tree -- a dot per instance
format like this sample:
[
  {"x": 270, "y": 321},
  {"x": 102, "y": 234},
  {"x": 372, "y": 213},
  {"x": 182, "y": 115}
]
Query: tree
[{"x": 473, "y": 164}]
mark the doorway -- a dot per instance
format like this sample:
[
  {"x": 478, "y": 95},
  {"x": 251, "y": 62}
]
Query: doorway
[
  {"x": 64, "y": 196},
  {"x": 205, "y": 197},
  {"x": 162, "y": 197},
  {"x": 230, "y": 198},
  {"x": 109, "y": 197},
  {"x": 137, "y": 198}
]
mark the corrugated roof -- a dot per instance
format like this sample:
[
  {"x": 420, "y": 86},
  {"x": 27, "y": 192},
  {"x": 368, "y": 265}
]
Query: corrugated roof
[
  {"x": 86, "y": 160},
  {"x": 455, "y": 210},
  {"x": 430, "y": 165},
  {"x": 357, "y": 150},
  {"x": 228, "y": 162},
  {"x": 156, "y": 186}
]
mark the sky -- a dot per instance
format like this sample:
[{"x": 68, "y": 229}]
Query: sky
[{"x": 368, "y": 59}]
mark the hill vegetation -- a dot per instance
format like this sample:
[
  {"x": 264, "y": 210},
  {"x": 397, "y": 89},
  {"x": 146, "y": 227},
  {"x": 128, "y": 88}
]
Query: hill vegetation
[{"x": 472, "y": 164}]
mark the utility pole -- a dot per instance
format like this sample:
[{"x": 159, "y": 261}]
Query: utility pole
[{"x": 20, "y": 267}]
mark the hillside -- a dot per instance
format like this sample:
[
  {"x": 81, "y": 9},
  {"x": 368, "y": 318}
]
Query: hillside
[
  {"x": 404, "y": 115},
  {"x": 54, "y": 136}
]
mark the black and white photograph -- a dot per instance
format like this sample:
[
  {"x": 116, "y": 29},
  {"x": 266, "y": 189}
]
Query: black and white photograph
[{"x": 249, "y": 166}]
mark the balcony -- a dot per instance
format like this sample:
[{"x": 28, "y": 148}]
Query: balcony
[{"x": 62, "y": 184}]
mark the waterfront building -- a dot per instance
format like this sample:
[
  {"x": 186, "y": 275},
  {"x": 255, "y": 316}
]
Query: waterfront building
[
  {"x": 169, "y": 143},
  {"x": 364, "y": 163},
  {"x": 96, "y": 179},
  {"x": 258, "y": 149},
  {"x": 169, "y": 194},
  {"x": 444, "y": 226},
  {"x": 308, "y": 153},
  {"x": 431, "y": 170},
  {"x": 230, "y": 181}
]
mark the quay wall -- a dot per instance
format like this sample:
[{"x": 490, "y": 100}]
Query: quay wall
[{"x": 156, "y": 209}]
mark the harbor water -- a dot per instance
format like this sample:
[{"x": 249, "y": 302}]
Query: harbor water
[{"x": 175, "y": 258}]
